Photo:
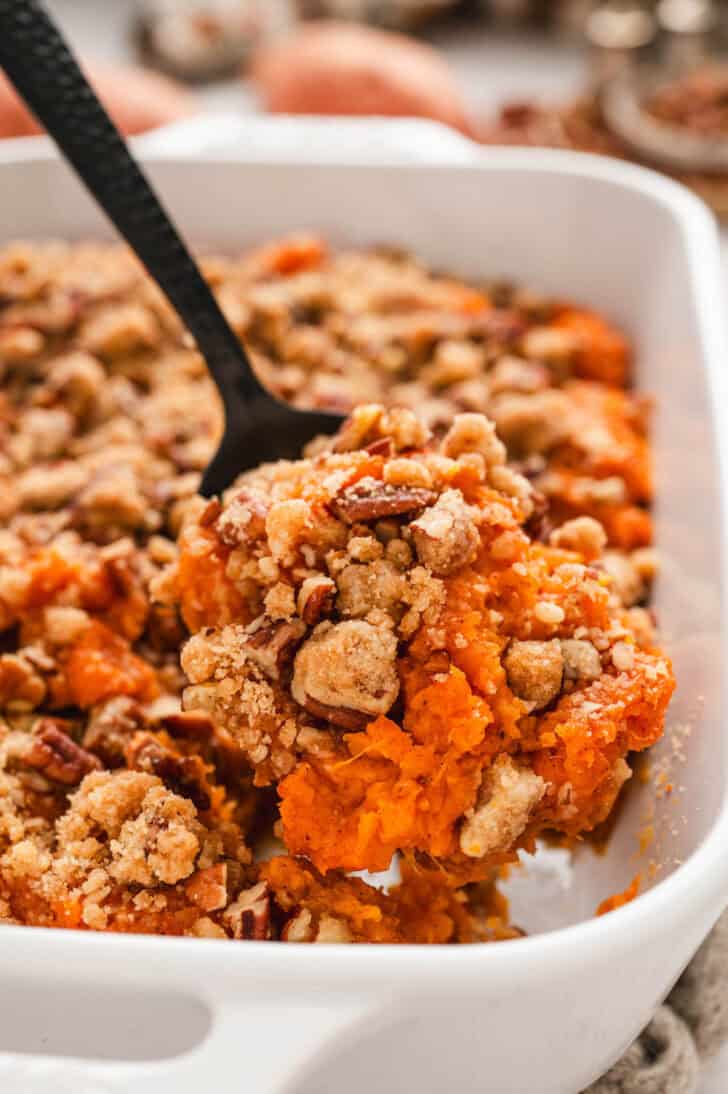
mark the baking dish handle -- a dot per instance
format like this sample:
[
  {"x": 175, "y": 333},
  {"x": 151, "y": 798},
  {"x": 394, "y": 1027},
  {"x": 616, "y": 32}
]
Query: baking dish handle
[{"x": 265, "y": 1044}]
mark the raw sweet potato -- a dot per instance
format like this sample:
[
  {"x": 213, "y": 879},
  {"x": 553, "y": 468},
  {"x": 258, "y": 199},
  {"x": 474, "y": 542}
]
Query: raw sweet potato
[{"x": 338, "y": 68}]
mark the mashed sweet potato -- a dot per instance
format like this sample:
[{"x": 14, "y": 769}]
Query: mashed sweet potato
[
  {"x": 427, "y": 642},
  {"x": 459, "y": 687}
]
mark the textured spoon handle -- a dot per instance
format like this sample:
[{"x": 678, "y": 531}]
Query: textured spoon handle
[{"x": 45, "y": 73}]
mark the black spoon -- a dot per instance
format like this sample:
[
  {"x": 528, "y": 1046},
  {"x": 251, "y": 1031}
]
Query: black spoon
[{"x": 37, "y": 60}]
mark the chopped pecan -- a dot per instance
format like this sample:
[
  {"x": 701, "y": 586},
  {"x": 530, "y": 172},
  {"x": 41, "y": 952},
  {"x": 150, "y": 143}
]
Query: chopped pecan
[
  {"x": 38, "y": 657},
  {"x": 249, "y": 916},
  {"x": 208, "y": 888},
  {"x": 21, "y": 686},
  {"x": 299, "y": 928},
  {"x": 316, "y": 598},
  {"x": 119, "y": 560},
  {"x": 338, "y": 716},
  {"x": 272, "y": 644},
  {"x": 189, "y": 725},
  {"x": 59, "y": 758},
  {"x": 165, "y": 630},
  {"x": 539, "y": 525},
  {"x": 242, "y": 519},
  {"x": 210, "y": 513},
  {"x": 361, "y": 424},
  {"x": 370, "y": 499},
  {"x": 382, "y": 447},
  {"x": 500, "y": 325},
  {"x": 438, "y": 661},
  {"x": 530, "y": 467},
  {"x": 183, "y": 775},
  {"x": 332, "y": 929},
  {"x": 111, "y": 726}
]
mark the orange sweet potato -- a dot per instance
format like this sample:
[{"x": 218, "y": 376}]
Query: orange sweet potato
[
  {"x": 137, "y": 99},
  {"x": 101, "y": 665},
  {"x": 603, "y": 352},
  {"x": 340, "y": 68}
]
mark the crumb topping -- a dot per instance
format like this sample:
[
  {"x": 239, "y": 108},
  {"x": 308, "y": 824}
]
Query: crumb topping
[
  {"x": 409, "y": 641},
  {"x": 454, "y": 642}
]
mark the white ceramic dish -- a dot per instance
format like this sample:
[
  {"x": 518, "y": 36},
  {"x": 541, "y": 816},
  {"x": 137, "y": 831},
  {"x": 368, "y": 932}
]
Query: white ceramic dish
[
  {"x": 542, "y": 1015},
  {"x": 279, "y": 137},
  {"x": 41, "y": 147}
]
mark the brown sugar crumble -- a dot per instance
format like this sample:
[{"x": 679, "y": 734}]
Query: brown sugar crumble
[
  {"x": 426, "y": 638},
  {"x": 430, "y": 710}
]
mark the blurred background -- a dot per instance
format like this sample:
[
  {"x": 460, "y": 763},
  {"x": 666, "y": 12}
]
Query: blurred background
[
  {"x": 639, "y": 79},
  {"x": 492, "y": 54}
]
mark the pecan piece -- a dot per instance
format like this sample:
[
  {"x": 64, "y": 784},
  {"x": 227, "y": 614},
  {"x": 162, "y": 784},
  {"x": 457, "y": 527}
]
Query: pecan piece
[
  {"x": 183, "y": 775},
  {"x": 370, "y": 499},
  {"x": 165, "y": 630},
  {"x": 539, "y": 525},
  {"x": 249, "y": 916},
  {"x": 21, "y": 686},
  {"x": 338, "y": 716},
  {"x": 271, "y": 645},
  {"x": 299, "y": 928},
  {"x": 208, "y": 888},
  {"x": 530, "y": 467},
  {"x": 242, "y": 519},
  {"x": 120, "y": 562},
  {"x": 189, "y": 725},
  {"x": 332, "y": 929},
  {"x": 210, "y": 513},
  {"x": 316, "y": 598},
  {"x": 111, "y": 726},
  {"x": 500, "y": 325},
  {"x": 59, "y": 757},
  {"x": 382, "y": 447},
  {"x": 38, "y": 657}
]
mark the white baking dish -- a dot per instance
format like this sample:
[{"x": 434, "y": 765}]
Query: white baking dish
[{"x": 542, "y": 1015}]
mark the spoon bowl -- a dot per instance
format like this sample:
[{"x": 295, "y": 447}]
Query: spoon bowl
[{"x": 262, "y": 430}]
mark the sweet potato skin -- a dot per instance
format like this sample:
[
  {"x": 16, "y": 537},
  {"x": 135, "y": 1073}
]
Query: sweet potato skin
[{"x": 340, "y": 68}]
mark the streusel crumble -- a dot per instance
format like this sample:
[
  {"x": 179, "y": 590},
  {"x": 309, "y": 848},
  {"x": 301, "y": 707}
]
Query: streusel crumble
[
  {"x": 427, "y": 637},
  {"x": 457, "y": 688}
]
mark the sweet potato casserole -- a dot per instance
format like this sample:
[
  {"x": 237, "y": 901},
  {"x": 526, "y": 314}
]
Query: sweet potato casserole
[{"x": 426, "y": 641}]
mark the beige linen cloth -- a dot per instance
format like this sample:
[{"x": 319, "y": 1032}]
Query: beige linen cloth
[{"x": 690, "y": 1027}]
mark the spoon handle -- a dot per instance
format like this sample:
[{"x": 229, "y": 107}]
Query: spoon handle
[{"x": 45, "y": 73}]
